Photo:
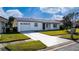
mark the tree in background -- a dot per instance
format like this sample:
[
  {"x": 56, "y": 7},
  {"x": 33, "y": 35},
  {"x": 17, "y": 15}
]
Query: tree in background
[
  {"x": 10, "y": 23},
  {"x": 67, "y": 22},
  {"x": 70, "y": 22}
]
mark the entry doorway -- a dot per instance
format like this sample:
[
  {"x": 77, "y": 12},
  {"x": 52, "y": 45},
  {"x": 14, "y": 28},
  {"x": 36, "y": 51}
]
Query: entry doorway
[{"x": 43, "y": 26}]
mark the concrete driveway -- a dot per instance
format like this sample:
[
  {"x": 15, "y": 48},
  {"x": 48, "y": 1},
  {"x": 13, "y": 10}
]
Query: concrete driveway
[{"x": 47, "y": 40}]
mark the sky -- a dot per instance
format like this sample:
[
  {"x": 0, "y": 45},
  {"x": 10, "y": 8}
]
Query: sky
[{"x": 37, "y": 12}]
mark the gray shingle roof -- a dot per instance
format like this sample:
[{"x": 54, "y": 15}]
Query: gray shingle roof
[{"x": 35, "y": 20}]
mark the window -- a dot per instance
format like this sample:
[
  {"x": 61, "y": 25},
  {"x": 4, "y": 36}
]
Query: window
[
  {"x": 21, "y": 23},
  {"x": 48, "y": 25},
  {"x": 36, "y": 24},
  {"x": 55, "y": 25}
]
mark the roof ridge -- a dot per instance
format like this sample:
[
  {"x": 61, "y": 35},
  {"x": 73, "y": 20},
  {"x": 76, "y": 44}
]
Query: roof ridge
[{"x": 35, "y": 20}]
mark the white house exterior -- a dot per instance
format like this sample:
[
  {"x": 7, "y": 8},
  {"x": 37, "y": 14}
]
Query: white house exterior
[
  {"x": 2, "y": 24},
  {"x": 29, "y": 24}
]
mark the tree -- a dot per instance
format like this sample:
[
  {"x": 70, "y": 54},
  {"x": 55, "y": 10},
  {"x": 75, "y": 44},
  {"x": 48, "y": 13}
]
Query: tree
[
  {"x": 67, "y": 22},
  {"x": 10, "y": 23},
  {"x": 70, "y": 22}
]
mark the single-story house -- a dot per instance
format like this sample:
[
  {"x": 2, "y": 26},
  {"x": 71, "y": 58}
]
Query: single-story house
[
  {"x": 2, "y": 24},
  {"x": 30, "y": 24}
]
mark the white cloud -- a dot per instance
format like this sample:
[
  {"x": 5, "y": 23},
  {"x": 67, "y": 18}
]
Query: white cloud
[
  {"x": 57, "y": 17},
  {"x": 56, "y": 10},
  {"x": 51, "y": 10},
  {"x": 14, "y": 12},
  {"x": 65, "y": 10}
]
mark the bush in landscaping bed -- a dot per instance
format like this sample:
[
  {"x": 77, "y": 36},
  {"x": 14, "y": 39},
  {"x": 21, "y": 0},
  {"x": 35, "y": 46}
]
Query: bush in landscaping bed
[{"x": 27, "y": 46}]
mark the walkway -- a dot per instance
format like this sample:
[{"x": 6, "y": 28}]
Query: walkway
[{"x": 47, "y": 40}]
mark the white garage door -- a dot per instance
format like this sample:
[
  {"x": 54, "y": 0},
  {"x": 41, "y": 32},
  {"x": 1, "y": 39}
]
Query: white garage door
[{"x": 24, "y": 26}]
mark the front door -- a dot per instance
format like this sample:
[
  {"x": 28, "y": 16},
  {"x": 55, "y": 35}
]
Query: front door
[{"x": 43, "y": 26}]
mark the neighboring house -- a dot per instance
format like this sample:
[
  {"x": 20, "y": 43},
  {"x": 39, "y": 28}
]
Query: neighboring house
[
  {"x": 30, "y": 24},
  {"x": 3, "y": 22}
]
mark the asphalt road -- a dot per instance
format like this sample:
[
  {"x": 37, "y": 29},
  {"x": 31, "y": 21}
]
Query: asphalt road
[{"x": 72, "y": 47}]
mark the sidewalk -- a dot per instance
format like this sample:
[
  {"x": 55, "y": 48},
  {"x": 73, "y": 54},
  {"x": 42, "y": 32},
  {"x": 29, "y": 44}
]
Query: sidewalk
[{"x": 47, "y": 40}]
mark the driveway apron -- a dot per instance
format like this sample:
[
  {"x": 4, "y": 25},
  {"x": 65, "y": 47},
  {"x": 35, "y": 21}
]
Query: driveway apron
[{"x": 46, "y": 39}]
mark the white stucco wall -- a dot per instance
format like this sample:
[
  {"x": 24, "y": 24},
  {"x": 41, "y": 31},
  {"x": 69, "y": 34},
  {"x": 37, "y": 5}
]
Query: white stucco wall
[
  {"x": 39, "y": 27},
  {"x": 29, "y": 27},
  {"x": 52, "y": 27}
]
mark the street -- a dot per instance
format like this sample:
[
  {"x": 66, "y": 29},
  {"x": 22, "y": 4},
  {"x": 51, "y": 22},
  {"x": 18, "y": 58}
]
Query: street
[{"x": 72, "y": 47}]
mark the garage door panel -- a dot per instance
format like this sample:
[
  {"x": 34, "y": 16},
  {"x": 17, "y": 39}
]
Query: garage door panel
[{"x": 24, "y": 27}]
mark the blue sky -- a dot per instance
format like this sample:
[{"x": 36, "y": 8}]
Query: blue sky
[
  {"x": 30, "y": 12},
  {"x": 38, "y": 12}
]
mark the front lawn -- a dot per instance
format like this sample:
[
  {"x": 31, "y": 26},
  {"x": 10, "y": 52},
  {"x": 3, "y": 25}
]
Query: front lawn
[
  {"x": 55, "y": 32},
  {"x": 12, "y": 37},
  {"x": 28, "y": 46},
  {"x": 77, "y": 30},
  {"x": 69, "y": 36}
]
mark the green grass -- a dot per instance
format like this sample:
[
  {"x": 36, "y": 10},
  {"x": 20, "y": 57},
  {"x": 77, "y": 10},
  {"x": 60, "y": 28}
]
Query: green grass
[
  {"x": 69, "y": 36},
  {"x": 55, "y": 32},
  {"x": 28, "y": 46},
  {"x": 77, "y": 30},
  {"x": 63, "y": 33},
  {"x": 12, "y": 37}
]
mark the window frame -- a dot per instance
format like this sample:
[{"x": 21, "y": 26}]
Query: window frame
[
  {"x": 35, "y": 24},
  {"x": 55, "y": 25}
]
